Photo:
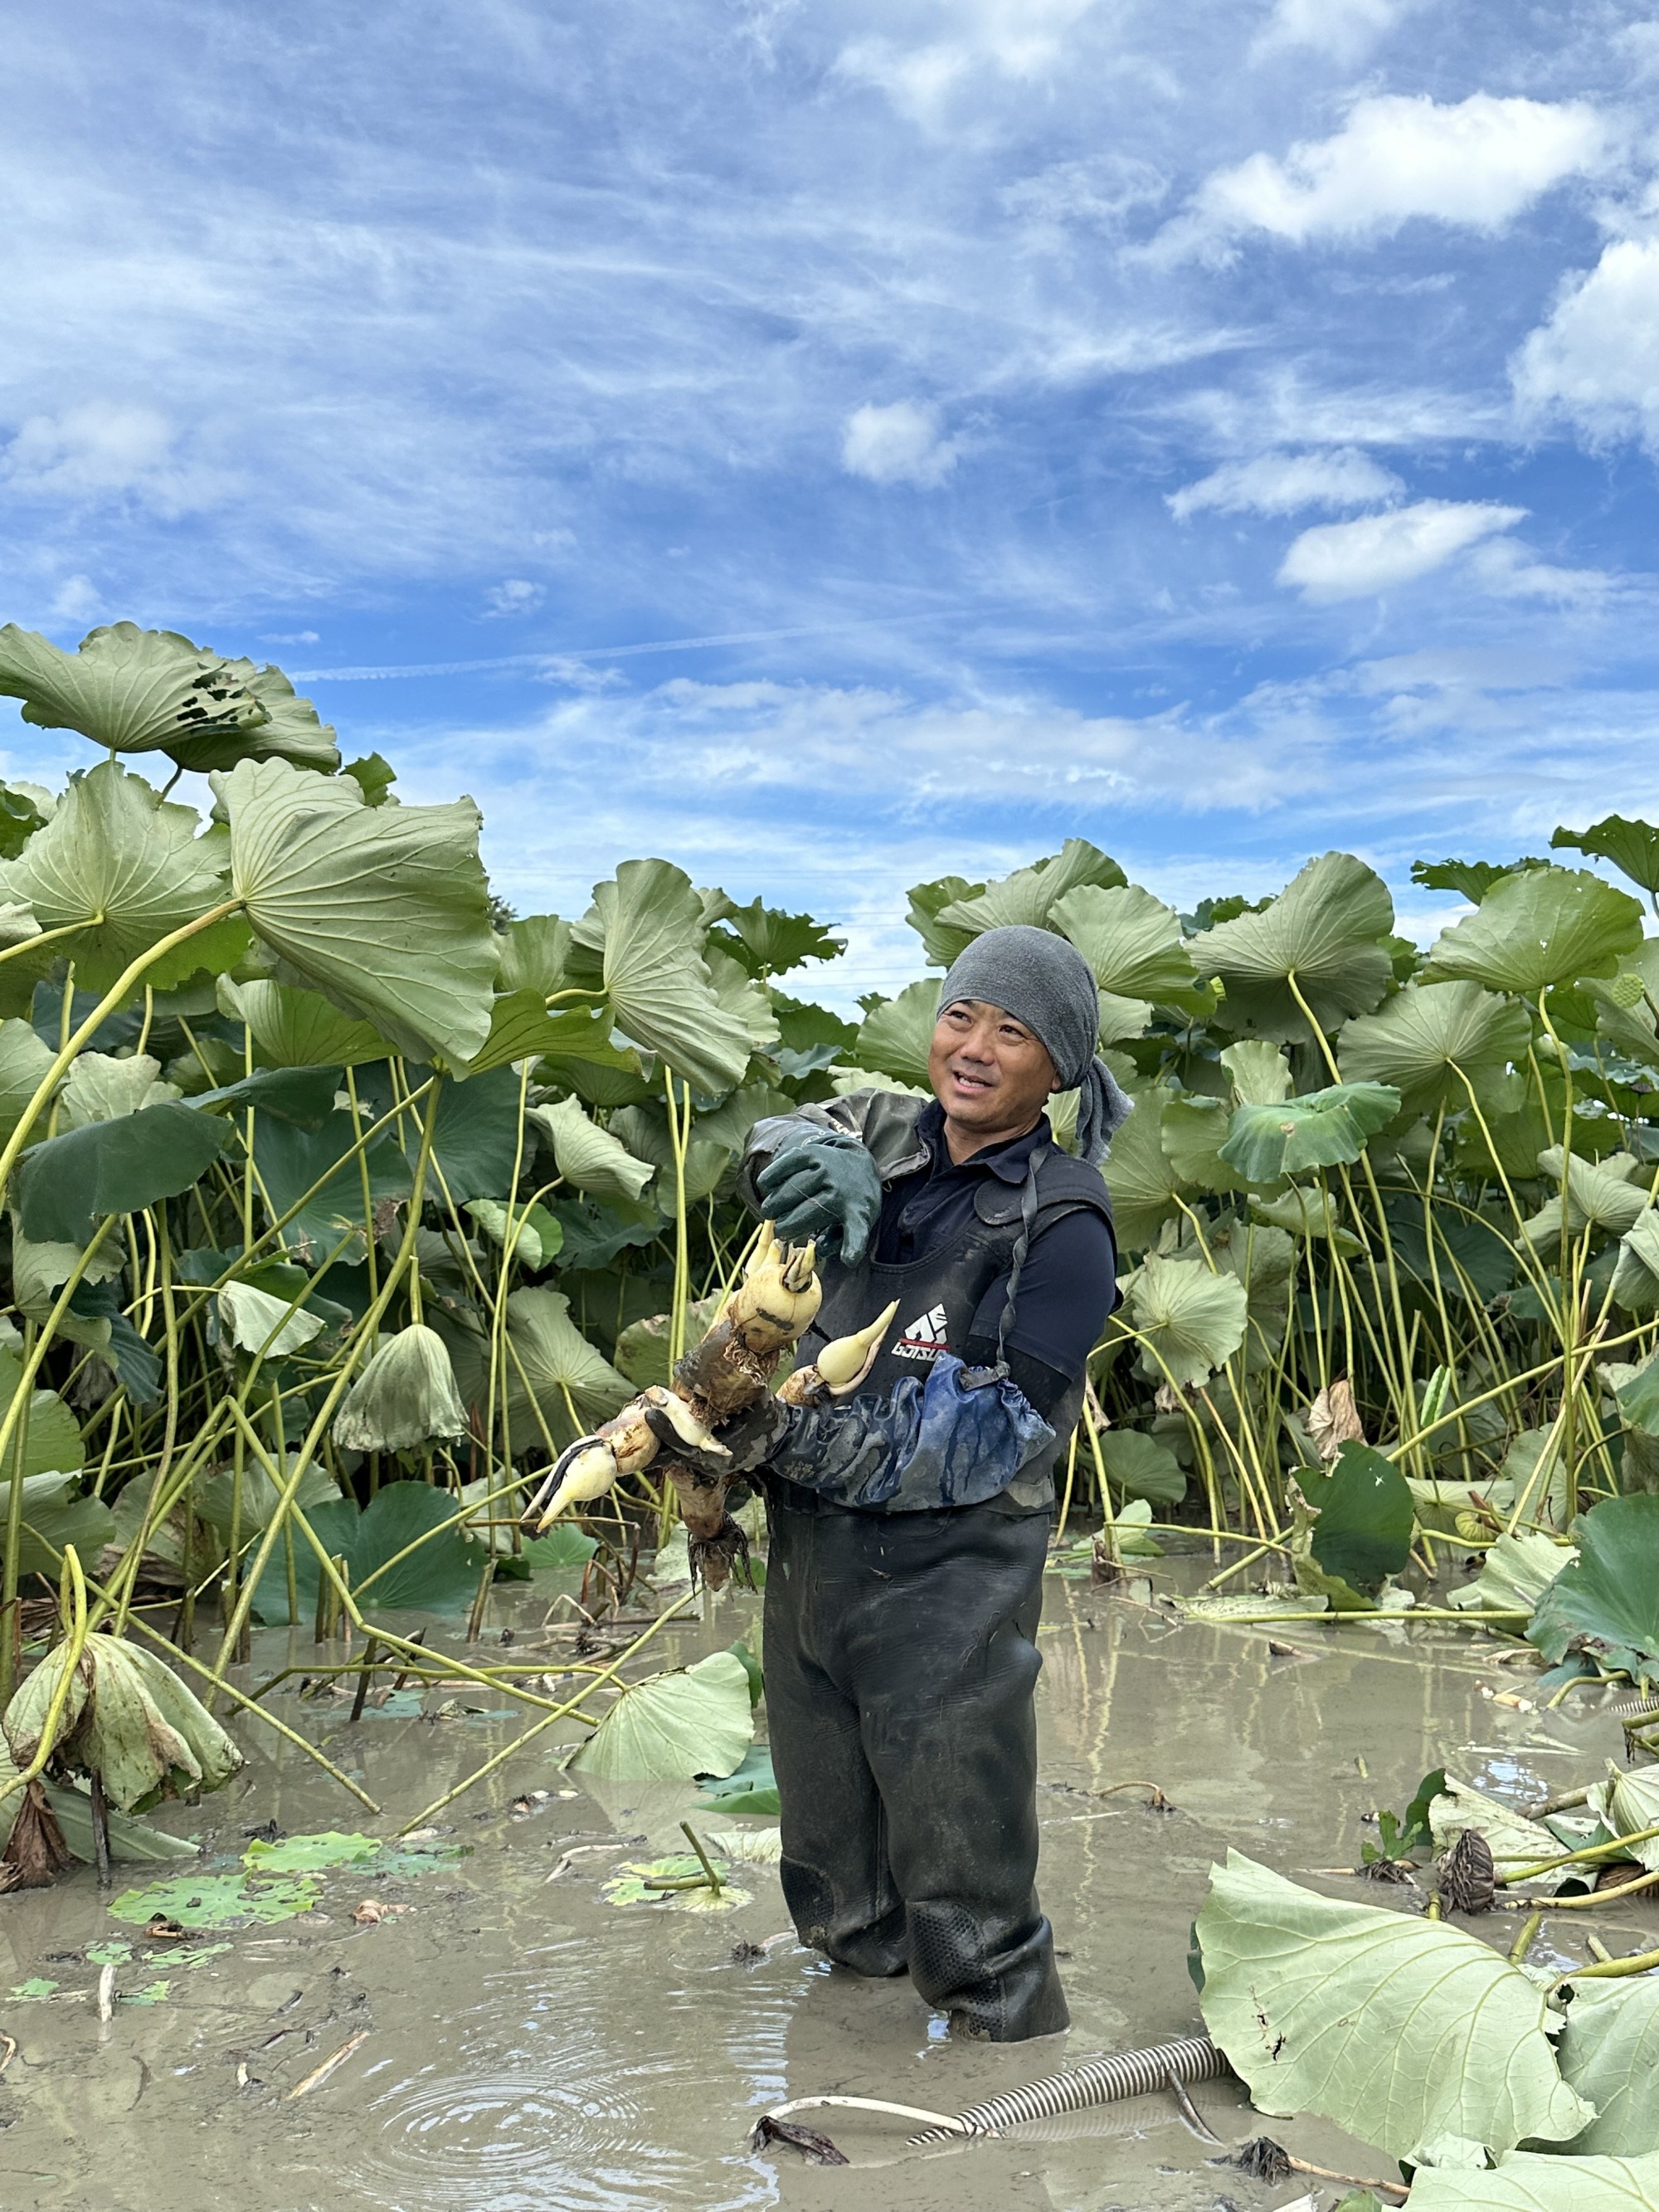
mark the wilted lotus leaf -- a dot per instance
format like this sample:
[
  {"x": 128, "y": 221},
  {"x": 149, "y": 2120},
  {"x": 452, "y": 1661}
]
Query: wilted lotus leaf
[
  {"x": 127, "y": 864},
  {"x": 254, "y": 1321},
  {"x": 1513, "y": 1841},
  {"x": 1428, "y": 1038},
  {"x": 404, "y": 1397},
  {"x": 671, "y": 1726},
  {"x": 1324, "y": 928},
  {"x": 647, "y": 924},
  {"x": 128, "y": 1719},
  {"x": 134, "y": 691},
  {"x": 1515, "y": 1573},
  {"x": 1325, "y": 1129},
  {"x": 386, "y": 909},
  {"x": 1541, "y": 926},
  {"x": 1191, "y": 1321},
  {"x": 587, "y": 1155}
]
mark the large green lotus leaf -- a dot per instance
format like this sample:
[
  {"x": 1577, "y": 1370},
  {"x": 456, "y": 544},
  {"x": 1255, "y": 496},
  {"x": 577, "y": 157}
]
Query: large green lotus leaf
[
  {"x": 521, "y": 1027},
  {"x": 1606, "y": 1602},
  {"x": 673, "y": 1726},
  {"x": 113, "y": 1167},
  {"x": 127, "y": 1718},
  {"x": 589, "y": 1156},
  {"x": 439, "y": 1575},
  {"x": 941, "y": 941},
  {"x": 299, "y": 1029},
  {"x": 1031, "y": 895},
  {"x": 1474, "y": 1259},
  {"x": 1364, "y": 1532},
  {"x": 1598, "y": 1194},
  {"x": 53, "y": 1513},
  {"x": 537, "y": 1235},
  {"x": 40, "y": 1271},
  {"x": 1133, "y": 943},
  {"x": 1325, "y": 1129},
  {"x": 475, "y": 1139},
  {"x": 1515, "y": 1573},
  {"x": 1429, "y": 1032},
  {"x": 648, "y": 923},
  {"x": 738, "y": 995},
  {"x": 24, "y": 1060},
  {"x": 1402, "y": 2030},
  {"x": 1635, "y": 1285},
  {"x": 128, "y": 865},
  {"x": 1143, "y": 1180},
  {"x": 1544, "y": 926},
  {"x": 292, "y": 730},
  {"x": 1310, "y": 1213},
  {"x": 1325, "y": 928},
  {"x": 1609, "y": 2052},
  {"x": 100, "y": 1088},
  {"x": 1195, "y": 1129},
  {"x": 1628, "y": 1805},
  {"x": 643, "y": 1130},
  {"x": 386, "y": 909},
  {"x": 1530, "y": 2181},
  {"x": 1261, "y": 1075},
  {"x": 1470, "y": 879},
  {"x": 1139, "y": 1467},
  {"x": 134, "y": 691},
  {"x": 774, "y": 942},
  {"x": 213, "y": 1498},
  {"x": 1632, "y": 846},
  {"x": 291, "y": 1160},
  {"x": 895, "y": 1039},
  {"x": 535, "y": 954},
  {"x": 569, "y": 1378},
  {"x": 1192, "y": 1320},
  {"x": 730, "y": 1123}
]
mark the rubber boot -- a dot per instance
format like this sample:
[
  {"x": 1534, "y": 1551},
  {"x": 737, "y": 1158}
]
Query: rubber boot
[{"x": 901, "y": 1660}]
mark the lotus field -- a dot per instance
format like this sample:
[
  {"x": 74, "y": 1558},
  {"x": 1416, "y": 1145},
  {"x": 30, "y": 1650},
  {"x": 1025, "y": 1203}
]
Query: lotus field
[{"x": 340, "y": 1199}]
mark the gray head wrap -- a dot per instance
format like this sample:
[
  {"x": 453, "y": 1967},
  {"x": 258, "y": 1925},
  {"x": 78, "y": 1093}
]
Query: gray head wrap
[{"x": 1047, "y": 984}]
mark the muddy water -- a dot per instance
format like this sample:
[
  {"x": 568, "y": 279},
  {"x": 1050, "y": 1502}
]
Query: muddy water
[{"x": 527, "y": 2047}]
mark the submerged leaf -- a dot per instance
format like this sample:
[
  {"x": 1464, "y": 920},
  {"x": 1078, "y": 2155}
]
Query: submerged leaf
[
  {"x": 672, "y": 1727},
  {"x": 1305, "y": 1994},
  {"x": 216, "y": 1900},
  {"x": 751, "y": 1788}
]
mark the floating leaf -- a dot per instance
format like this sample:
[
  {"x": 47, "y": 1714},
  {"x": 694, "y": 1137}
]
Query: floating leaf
[
  {"x": 672, "y": 1727},
  {"x": 751, "y": 1788},
  {"x": 1515, "y": 1573},
  {"x": 133, "y": 690},
  {"x": 436, "y": 1569},
  {"x": 1192, "y": 1321},
  {"x": 384, "y": 909},
  {"x": 216, "y": 1900},
  {"x": 589, "y": 1156},
  {"x": 634, "y": 1884},
  {"x": 1526, "y": 2181},
  {"x": 1303, "y": 1992},
  {"x": 749, "y": 1846},
  {"x": 309, "y": 1854},
  {"x": 1429, "y": 1037},
  {"x": 1606, "y": 1602},
  {"x": 1609, "y": 2052},
  {"x": 1323, "y": 928},
  {"x": 1628, "y": 1803},
  {"x": 1325, "y": 1129},
  {"x": 1544, "y": 926}
]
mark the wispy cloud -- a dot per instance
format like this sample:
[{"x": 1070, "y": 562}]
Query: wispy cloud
[{"x": 1282, "y": 483}]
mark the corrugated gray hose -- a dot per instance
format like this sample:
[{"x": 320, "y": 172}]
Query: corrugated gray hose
[{"x": 1101, "y": 2081}]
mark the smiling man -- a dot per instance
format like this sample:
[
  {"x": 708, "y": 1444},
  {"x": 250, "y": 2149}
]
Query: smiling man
[{"x": 910, "y": 1523}]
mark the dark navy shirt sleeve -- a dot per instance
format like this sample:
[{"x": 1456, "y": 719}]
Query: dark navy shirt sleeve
[{"x": 1068, "y": 1287}]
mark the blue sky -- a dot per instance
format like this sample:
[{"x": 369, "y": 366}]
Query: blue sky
[{"x": 831, "y": 442}]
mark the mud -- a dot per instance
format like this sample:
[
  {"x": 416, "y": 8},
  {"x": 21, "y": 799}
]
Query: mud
[{"x": 528, "y": 2046}]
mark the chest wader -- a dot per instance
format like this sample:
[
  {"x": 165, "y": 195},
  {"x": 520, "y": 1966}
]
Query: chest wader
[{"x": 901, "y": 1661}]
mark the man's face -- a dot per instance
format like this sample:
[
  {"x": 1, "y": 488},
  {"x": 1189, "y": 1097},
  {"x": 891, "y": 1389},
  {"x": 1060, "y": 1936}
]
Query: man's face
[{"x": 988, "y": 1072}]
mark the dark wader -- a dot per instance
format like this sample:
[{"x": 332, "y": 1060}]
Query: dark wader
[{"x": 900, "y": 1659}]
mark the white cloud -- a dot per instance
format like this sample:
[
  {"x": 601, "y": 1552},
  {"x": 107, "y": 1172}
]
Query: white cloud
[
  {"x": 1017, "y": 39},
  {"x": 516, "y": 596},
  {"x": 1354, "y": 560},
  {"x": 1596, "y": 361},
  {"x": 292, "y": 637},
  {"x": 1281, "y": 484},
  {"x": 1344, "y": 29},
  {"x": 102, "y": 450},
  {"x": 1397, "y": 157},
  {"x": 897, "y": 444},
  {"x": 1509, "y": 571},
  {"x": 77, "y": 599}
]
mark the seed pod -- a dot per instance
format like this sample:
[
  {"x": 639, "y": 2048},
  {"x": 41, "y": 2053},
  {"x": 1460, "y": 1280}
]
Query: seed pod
[{"x": 1466, "y": 1876}]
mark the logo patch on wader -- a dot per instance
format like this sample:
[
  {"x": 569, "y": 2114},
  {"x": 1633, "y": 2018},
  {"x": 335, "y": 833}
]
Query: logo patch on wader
[{"x": 924, "y": 1339}]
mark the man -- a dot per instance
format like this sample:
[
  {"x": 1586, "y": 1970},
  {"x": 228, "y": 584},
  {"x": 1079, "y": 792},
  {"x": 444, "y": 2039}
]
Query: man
[{"x": 910, "y": 1527}]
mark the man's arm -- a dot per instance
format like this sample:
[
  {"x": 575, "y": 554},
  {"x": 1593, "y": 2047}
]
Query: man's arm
[{"x": 1067, "y": 1290}]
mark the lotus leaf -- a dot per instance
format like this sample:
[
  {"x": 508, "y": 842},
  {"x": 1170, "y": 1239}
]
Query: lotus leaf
[
  {"x": 1432, "y": 1036},
  {"x": 896, "y": 1037},
  {"x": 213, "y": 1499},
  {"x": 575, "y": 1386},
  {"x": 309, "y": 1854},
  {"x": 737, "y": 994},
  {"x": 774, "y": 942},
  {"x": 24, "y": 1060},
  {"x": 1606, "y": 1602},
  {"x": 1609, "y": 2051},
  {"x": 128, "y": 1719},
  {"x": 1364, "y": 1531},
  {"x": 634, "y": 1884},
  {"x": 132, "y": 1842},
  {"x": 1139, "y": 1467},
  {"x": 291, "y": 1161},
  {"x": 1526, "y": 2181},
  {"x": 1542, "y": 927},
  {"x": 1470, "y": 879},
  {"x": 216, "y": 1900},
  {"x": 1194, "y": 1130},
  {"x": 1261, "y": 1075},
  {"x": 941, "y": 941},
  {"x": 255, "y": 1322},
  {"x": 1031, "y": 895},
  {"x": 648, "y": 923},
  {"x": 38, "y": 1272},
  {"x": 292, "y": 731},
  {"x": 404, "y": 1398},
  {"x": 1473, "y": 1258},
  {"x": 642, "y": 1347},
  {"x": 1515, "y": 1841},
  {"x": 1304, "y": 1213},
  {"x": 751, "y": 1788},
  {"x": 1627, "y": 1803},
  {"x": 384, "y": 909},
  {"x": 537, "y": 1236},
  {"x": 53, "y": 1444},
  {"x": 126, "y": 865},
  {"x": 54, "y": 1514},
  {"x": 1133, "y": 943},
  {"x": 1632, "y": 847},
  {"x": 643, "y": 1131},
  {"x": 1515, "y": 1574},
  {"x": 535, "y": 952},
  {"x": 1599, "y": 1195},
  {"x": 1143, "y": 1178},
  {"x": 1306, "y": 1993},
  {"x": 1636, "y": 1276},
  {"x": 521, "y": 1027},
  {"x": 1324, "y": 928},
  {"x": 589, "y": 1156},
  {"x": 749, "y": 1846},
  {"x": 397, "y": 1552},
  {"x": 133, "y": 690},
  {"x": 1191, "y": 1321},
  {"x": 304, "y": 1096},
  {"x": 113, "y": 1167},
  {"x": 299, "y": 1029},
  {"x": 672, "y": 1727},
  {"x": 101, "y": 1088},
  {"x": 1325, "y": 1129}
]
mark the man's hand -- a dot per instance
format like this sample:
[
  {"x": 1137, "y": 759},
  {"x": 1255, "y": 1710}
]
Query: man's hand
[
  {"x": 821, "y": 1184},
  {"x": 745, "y": 1443}
]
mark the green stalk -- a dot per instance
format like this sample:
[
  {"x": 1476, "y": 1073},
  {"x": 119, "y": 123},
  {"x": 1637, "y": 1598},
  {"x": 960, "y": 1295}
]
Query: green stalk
[{"x": 10, "y": 1641}]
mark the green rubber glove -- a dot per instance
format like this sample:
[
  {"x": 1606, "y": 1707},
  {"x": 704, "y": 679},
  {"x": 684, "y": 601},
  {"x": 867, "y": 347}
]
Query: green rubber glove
[{"x": 823, "y": 1184}]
